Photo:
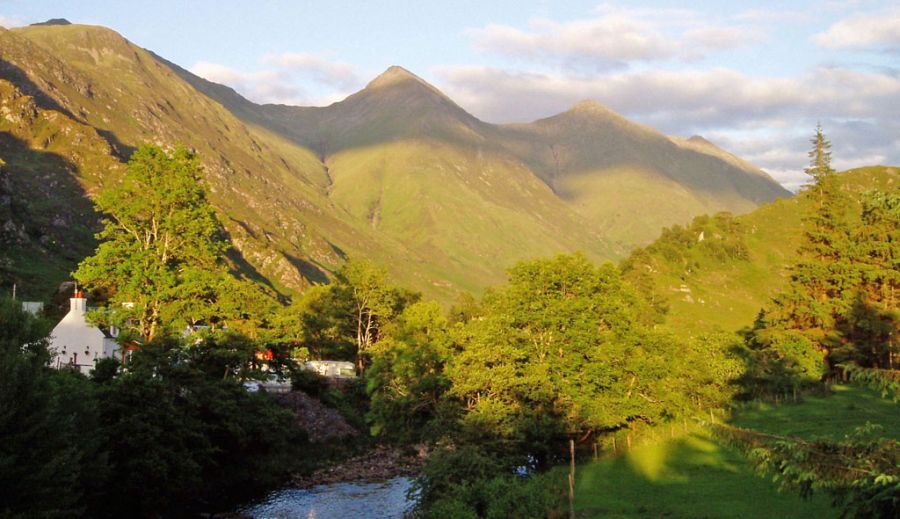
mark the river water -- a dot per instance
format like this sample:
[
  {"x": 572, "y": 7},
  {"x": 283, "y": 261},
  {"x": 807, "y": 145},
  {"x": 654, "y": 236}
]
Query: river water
[{"x": 380, "y": 500}]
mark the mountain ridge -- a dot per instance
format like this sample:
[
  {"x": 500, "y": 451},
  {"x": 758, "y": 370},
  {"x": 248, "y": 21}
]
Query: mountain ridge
[{"x": 396, "y": 172}]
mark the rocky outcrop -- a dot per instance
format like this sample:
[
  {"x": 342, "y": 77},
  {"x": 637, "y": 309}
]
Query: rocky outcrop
[{"x": 321, "y": 423}]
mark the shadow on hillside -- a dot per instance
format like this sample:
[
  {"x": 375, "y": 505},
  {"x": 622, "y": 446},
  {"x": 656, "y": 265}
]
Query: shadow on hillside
[
  {"x": 308, "y": 269},
  {"x": 18, "y": 77},
  {"x": 47, "y": 222},
  {"x": 121, "y": 150}
]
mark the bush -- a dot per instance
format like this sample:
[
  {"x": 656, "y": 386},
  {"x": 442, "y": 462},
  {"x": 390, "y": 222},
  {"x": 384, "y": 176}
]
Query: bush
[{"x": 309, "y": 382}]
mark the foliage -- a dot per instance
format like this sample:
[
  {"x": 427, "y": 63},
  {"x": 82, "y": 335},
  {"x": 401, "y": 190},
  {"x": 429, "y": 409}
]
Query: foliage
[
  {"x": 885, "y": 381},
  {"x": 406, "y": 381},
  {"x": 169, "y": 435},
  {"x": 319, "y": 323},
  {"x": 862, "y": 473},
  {"x": 839, "y": 305},
  {"x": 39, "y": 474},
  {"x": 567, "y": 348},
  {"x": 309, "y": 382},
  {"x": 160, "y": 260}
]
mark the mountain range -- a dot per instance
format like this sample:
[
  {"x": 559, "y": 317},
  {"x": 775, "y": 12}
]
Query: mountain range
[{"x": 396, "y": 172}]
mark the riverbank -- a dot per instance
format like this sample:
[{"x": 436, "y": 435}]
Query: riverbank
[{"x": 379, "y": 464}]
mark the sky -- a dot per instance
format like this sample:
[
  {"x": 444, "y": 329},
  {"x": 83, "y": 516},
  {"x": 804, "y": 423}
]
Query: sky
[{"x": 752, "y": 77}]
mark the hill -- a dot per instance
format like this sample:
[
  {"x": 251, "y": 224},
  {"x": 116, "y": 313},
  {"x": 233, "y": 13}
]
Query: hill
[
  {"x": 603, "y": 167},
  {"x": 396, "y": 172},
  {"x": 720, "y": 270}
]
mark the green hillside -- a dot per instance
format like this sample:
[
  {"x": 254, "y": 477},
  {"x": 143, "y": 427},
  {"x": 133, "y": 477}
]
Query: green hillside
[
  {"x": 719, "y": 271},
  {"x": 397, "y": 172}
]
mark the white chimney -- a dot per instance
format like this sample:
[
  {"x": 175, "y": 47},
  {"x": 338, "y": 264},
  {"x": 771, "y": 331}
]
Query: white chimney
[{"x": 78, "y": 303}]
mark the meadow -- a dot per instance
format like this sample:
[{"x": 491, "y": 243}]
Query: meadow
[{"x": 694, "y": 475}]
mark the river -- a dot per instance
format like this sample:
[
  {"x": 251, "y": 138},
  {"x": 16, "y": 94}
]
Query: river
[{"x": 363, "y": 500}]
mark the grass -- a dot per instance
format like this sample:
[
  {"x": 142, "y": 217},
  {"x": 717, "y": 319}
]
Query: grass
[
  {"x": 832, "y": 416},
  {"x": 693, "y": 476}
]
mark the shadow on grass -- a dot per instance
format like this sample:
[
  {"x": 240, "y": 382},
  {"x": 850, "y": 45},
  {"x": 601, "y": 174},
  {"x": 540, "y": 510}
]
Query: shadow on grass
[{"x": 687, "y": 477}]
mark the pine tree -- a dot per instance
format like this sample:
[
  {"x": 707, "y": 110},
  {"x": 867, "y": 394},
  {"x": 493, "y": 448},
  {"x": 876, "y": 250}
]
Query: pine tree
[{"x": 819, "y": 157}]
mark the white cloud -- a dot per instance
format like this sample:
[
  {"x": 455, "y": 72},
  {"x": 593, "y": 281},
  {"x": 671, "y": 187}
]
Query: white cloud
[
  {"x": 11, "y": 21},
  {"x": 773, "y": 16},
  {"x": 289, "y": 78},
  {"x": 614, "y": 36},
  {"x": 323, "y": 70},
  {"x": 267, "y": 86},
  {"x": 858, "y": 108},
  {"x": 873, "y": 31}
]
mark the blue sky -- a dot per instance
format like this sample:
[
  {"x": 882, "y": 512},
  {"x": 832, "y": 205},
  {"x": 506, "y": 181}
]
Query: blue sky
[{"x": 754, "y": 77}]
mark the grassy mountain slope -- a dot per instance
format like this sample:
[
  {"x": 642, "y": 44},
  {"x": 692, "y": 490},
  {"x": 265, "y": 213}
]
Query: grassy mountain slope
[
  {"x": 602, "y": 166},
  {"x": 269, "y": 192},
  {"x": 725, "y": 278},
  {"x": 49, "y": 163},
  {"x": 614, "y": 171},
  {"x": 396, "y": 172}
]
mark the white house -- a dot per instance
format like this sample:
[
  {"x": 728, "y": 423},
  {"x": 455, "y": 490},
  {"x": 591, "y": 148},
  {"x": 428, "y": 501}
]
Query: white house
[
  {"x": 331, "y": 368},
  {"x": 77, "y": 343}
]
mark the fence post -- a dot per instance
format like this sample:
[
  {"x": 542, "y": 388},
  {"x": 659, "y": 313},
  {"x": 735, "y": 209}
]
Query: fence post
[{"x": 572, "y": 479}]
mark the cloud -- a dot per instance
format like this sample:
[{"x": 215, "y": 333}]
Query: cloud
[
  {"x": 613, "y": 37},
  {"x": 873, "y": 31},
  {"x": 290, "y": 78},
  {"x": 766, "y": 120},
  {"x": 772, "y": 16},
  {"x": 268, "y": 86},
  {"x": 322, "y": 70},
  {"x": 11, "y": 21}
]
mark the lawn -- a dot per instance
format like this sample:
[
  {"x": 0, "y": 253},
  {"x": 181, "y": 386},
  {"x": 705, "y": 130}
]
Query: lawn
[{"x": 693, "y": 476}]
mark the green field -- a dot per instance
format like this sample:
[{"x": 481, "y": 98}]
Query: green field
[{"x": 695, "y": 476}]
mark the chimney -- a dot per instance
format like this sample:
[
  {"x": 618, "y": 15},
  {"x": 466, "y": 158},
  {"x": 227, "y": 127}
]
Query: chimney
[{"x": 78, "y": 303}]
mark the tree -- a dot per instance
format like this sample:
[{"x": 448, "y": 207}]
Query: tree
[
  {"x": 840, "y": 304},
  {"x": 320, "y": 324},
  {"x": 819, "y": 158},
  {"x": 406, "y": 381},
  {"x": 161, "y": 243},
  {"x": 565, "y": 348},
  {"x": 872, "y": 324},
  {"x": 374, "y": 303},
  {"x": 47, "y": 450}
]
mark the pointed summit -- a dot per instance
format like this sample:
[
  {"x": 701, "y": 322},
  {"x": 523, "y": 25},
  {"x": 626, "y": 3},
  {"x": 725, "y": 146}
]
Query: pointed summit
[
  {"x": 398, "y": 79},
  {"x": 394, "y": 74},
  {"x": 591, "y": 107}
]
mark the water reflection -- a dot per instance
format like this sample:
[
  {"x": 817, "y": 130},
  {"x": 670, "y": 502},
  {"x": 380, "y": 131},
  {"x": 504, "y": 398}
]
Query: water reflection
[{"x": 382, "y": 500}]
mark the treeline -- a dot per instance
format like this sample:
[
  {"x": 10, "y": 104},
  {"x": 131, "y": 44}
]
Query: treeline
[
  {"x": 565, "y": 350},
  {"x": 838, "y": 318},
  {"x": 842, "y": 301},
  {"x": 164, "y": 438},
  {"x": 497, "y": 387}
]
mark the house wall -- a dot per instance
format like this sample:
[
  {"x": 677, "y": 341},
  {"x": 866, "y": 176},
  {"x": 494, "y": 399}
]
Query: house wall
[{"x": 75, "y": 342}]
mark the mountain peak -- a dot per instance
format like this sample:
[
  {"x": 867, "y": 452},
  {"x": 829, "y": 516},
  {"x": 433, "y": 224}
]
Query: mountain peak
[
  {"x": 393, "y": 75},
  {"x": 54, "y": 21},
  {"x": 699, "y": 140},
  {"x": 590, "y": 106}
]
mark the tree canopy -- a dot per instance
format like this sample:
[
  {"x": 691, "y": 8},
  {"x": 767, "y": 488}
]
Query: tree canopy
[{"x": 161, "y": 256}]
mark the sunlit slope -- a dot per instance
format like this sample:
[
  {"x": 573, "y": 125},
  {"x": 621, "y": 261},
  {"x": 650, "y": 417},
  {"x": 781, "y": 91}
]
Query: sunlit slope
[
  {"x": 412, "y": 166},
  {"x": 269, "y": 192},
  {"x": 626, "y": 179},
  {"x": 632, "y": 179},
  {"x": 719, "y": 272},
  {"x": 396, "y": 172},
  {"x": 49, "y": 164}
]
